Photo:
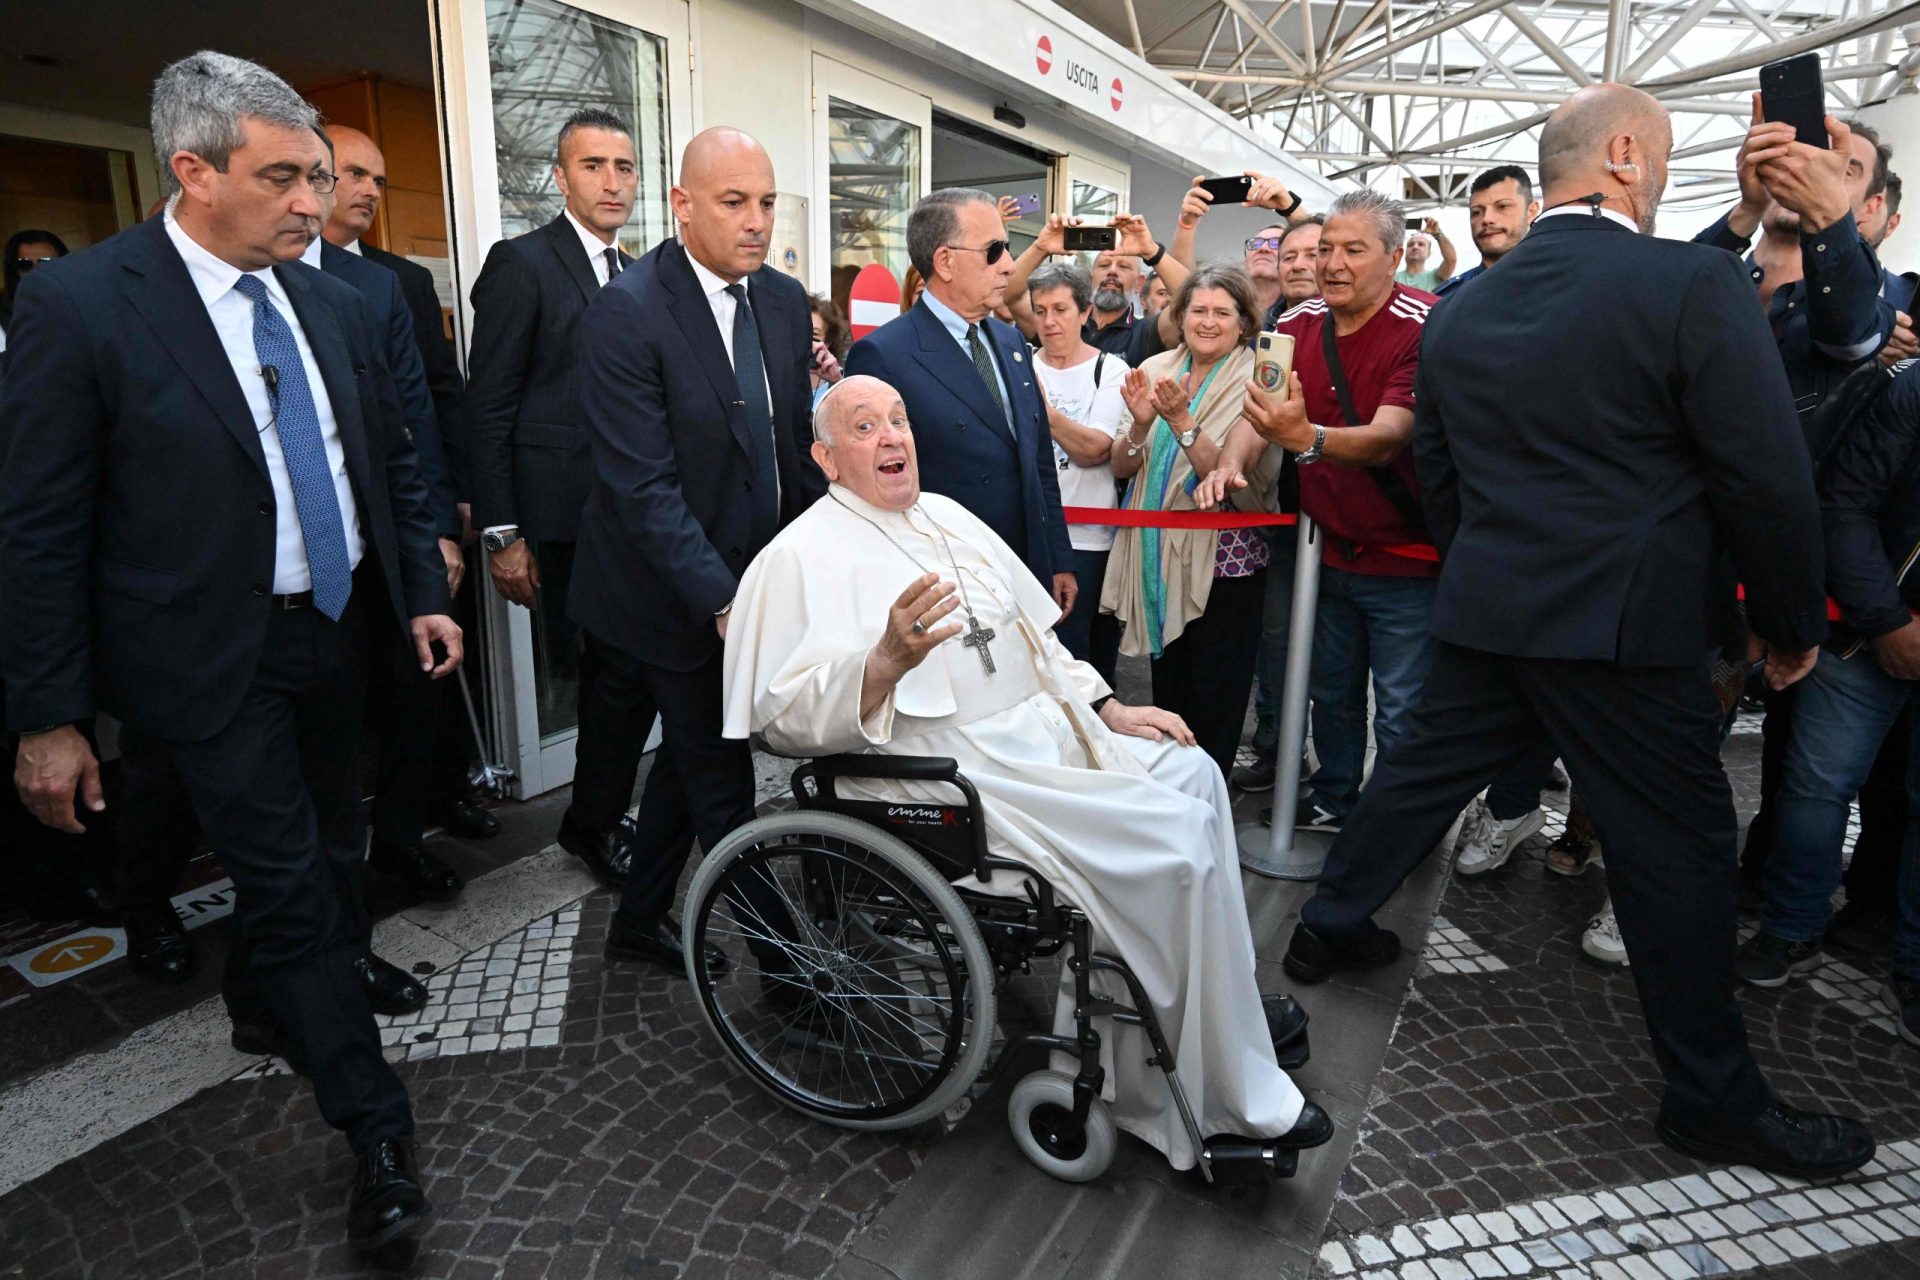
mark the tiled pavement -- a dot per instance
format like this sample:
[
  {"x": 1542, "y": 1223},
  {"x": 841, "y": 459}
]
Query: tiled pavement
[{"x": 1507, "y": 1132}]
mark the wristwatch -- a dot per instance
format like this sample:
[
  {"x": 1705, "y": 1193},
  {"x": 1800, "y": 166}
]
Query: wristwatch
[
  {"x": 1159, "y": 252},
  {"x": 499, "y": 539},
  {"x": 1287, "y": 212},
  {"x": 1187, "y": 437},
  {"x": 1319, "y": 443}
]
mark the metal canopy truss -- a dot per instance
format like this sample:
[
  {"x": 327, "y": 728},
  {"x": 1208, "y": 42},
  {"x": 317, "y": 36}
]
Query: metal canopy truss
[{"x": 1418, "y": 95}]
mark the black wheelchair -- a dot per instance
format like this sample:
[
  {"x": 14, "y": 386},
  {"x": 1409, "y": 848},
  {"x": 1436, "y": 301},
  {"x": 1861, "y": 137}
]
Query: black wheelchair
[{"x": 849, "y": 977}]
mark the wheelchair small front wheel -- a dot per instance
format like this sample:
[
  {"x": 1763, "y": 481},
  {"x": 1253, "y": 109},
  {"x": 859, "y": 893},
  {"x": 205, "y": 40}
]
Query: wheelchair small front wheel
[{"x": 1040, "y": 1113}]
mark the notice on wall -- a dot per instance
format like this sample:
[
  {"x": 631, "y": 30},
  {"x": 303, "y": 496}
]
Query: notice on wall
[
  {"x": 442, "y": 269},
  {"x": 788, "y": 249}
]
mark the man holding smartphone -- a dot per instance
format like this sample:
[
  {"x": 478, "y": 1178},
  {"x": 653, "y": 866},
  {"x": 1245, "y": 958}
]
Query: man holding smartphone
[{"x": 1415, "y": 274}]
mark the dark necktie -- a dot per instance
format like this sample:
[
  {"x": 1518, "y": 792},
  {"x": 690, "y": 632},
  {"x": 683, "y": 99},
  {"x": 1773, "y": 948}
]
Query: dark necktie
[
  {"x": 750, "y": 372},
  {"x": 613, "y": 262},
  {"x": 984, "y": 363},
  {"x": 297, "y": 419}
]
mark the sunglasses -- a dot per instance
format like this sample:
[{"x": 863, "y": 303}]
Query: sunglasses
[
  {"x": 1263, "y": 242},
  {"x": 993, "y": 249},
  {"x": 28, "y": 264}
]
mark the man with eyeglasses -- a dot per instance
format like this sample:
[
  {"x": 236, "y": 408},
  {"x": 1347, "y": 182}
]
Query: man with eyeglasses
[
  {"x": 209, "y": 492},
  {"x": 980, "y": 422}
]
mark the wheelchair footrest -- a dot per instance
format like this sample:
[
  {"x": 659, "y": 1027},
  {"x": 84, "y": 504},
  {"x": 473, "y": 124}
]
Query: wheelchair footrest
[{"x": 1249, "y": 1160}]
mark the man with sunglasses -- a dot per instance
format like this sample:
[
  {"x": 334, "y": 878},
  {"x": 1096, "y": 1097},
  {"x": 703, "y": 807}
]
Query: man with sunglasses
[
  {"x": 980, "y": 420},
  {"x": 25, "y": 250}
]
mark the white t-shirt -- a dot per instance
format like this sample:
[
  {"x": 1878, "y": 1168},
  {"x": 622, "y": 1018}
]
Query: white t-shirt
[{"x": 1104, "y": 409}]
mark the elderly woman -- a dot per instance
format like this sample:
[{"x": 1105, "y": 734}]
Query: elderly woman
[{"x": 1191, "y": 598}]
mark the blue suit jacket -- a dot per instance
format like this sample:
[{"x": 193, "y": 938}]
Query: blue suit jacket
[{"x": 965, "y": 449}]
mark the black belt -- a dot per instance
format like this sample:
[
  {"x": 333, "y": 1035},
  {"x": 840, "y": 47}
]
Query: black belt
[{"x": 296, "y": 600}]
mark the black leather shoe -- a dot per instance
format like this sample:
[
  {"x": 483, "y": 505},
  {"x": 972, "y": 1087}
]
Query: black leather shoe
[
  {"x": 607, "y": 855},
  {"x": 269, "y": 1040},
  {"x": 1285, "y": 1018},
  {"x": 1314, "y": 1128},
  {"x": 1781, "y": 1139},
  {"x": 388, "y": 1205},
  {"x": 656, "y": 942},
  {"x": 391, "y": 991},
  {"x": 160, "y": 953},
  {"x": 468, "y": 820},
  {"x": 1311, "y": 958},
  {"x": 422, "y": 876}
]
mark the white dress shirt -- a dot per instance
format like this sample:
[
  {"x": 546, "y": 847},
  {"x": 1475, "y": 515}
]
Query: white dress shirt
[
  {"x": 353, "y": 247},
  {"x": 596, "y": 247},
  {"x": 232, "y": 316}
]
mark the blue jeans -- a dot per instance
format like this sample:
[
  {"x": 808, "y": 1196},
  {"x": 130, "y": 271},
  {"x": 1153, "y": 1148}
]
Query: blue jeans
[
  {"x": 1364, "y": 624},
  {"x": 1841, "y": 712},
  {"x": 1086, "y": 633}
]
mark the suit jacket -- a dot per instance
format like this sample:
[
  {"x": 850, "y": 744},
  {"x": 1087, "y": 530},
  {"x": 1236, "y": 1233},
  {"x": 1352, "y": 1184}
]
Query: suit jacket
[
  {"x": 391, "y": 321},
  {"x": 1600, "y": 423},
  {"x": 966, "y": 452},
  {"x": 137, "y": 524},
  {"x": 674, "y": 518},
  {"x": 528, "y": 457},
  {"x": 444, "y": 383}
]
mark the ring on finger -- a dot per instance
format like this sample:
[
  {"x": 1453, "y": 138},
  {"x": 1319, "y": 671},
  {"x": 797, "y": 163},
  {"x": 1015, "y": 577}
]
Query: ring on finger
[{"x": 919, "y": 627}]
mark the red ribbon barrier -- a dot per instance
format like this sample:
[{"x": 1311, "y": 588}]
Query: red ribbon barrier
[{"x": 1120, "y": 517}]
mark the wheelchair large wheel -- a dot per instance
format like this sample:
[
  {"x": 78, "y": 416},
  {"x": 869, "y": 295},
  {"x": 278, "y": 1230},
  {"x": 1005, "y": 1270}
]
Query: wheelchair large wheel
[
  {"x": 1040, "y": 1113},
  {"x": 857, "y": 987}
]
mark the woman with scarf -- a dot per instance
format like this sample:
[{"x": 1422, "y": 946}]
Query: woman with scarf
[{"x": 1191, "y": 598}]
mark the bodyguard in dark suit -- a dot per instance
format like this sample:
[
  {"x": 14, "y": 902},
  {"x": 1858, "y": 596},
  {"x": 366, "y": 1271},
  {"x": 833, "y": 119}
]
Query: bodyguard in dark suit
[
  {"x": 694, "y": 382},
  {"x": 528, "y": 460},
  {"x": 208, "y": 496},
  {"x": 980, "y": 421},
  {"x": 1647, "y": 439}
]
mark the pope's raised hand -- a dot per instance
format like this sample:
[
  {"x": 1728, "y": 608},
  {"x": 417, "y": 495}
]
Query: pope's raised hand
[{"x": 914, "y": 626}]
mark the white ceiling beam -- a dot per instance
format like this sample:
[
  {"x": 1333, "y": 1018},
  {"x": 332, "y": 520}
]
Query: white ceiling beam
[
  {"x": 1617, "y": 31},
  {"x": 1360, "y": 29},
  {"x": 1650, "y": 57},
  {"x": 1413, "y": 37},
  {"x": 1555, "y": 54},
  {"x": 1264, "y": 36},
  {"x": 1819, "y": 37}
]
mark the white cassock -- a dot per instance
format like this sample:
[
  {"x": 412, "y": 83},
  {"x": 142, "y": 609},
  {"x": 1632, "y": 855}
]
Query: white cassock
[{"x": 1136, "y": 834}]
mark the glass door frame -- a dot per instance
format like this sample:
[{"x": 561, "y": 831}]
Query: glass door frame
[
  {"x": 1078, "y": 168},
  {"x": 464, "y": 88},
  {"x": 835, "y": 79}
]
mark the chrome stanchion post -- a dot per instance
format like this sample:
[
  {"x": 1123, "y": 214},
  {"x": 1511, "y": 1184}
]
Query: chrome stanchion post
[{"x": 1280, "y": 851}]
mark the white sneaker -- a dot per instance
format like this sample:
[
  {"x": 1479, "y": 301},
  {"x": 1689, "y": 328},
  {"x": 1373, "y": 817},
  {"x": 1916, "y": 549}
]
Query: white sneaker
[
  {"x": 1602, "y": 938},
  {"x": 1490, "y": 841}
]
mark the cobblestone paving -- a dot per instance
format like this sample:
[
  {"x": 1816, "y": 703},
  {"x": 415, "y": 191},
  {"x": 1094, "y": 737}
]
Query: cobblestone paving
[
  {"x": 630, "y": 1149},
  {"x": 1536, "y": 1082}
]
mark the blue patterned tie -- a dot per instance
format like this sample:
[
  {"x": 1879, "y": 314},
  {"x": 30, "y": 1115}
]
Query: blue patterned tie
[{"x": 314, "y": 496}]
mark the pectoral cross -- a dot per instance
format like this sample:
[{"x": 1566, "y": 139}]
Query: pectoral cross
[{"x": 976, "y": 638}]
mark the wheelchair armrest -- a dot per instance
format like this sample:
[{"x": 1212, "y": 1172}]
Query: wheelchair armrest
[{"x": 909, "y": 768}]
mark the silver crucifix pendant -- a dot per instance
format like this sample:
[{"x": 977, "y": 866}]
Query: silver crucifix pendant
[{"x": 977, "y": 637}]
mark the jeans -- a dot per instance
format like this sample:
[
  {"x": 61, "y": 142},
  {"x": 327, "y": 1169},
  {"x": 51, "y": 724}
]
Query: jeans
[
  {"x": 1364, "y": 624},
  {"x": 1086, "y": 633},
  {"x": 1841, "y": 712}
]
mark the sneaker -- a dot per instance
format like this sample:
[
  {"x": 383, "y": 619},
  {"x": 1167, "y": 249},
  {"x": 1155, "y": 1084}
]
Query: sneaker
[
  {"x": 1311, "y": 817},
  {"x": 1858, "y": 929},
  {"x": 1490, "y": 841},
  {"x": 1901, "y": 995},
  {"x": 1569, "y": 855},
  {"x": 1257, "y": 776},
  {"x": 1767, "y": 961},
  {"x": 1601, "y": 941}
]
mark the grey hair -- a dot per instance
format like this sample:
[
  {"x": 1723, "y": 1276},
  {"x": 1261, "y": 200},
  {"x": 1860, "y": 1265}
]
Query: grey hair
[
  {"x": 935, "y": 221},
  {"x": 1063, "y": 275},
  {"x": 1388, "y": 216},
  {"x": 199, "y": 104}
]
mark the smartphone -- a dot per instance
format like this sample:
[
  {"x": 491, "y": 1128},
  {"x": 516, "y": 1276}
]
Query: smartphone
[
  {"x": 1416, "y": 224},
  {"x": 1026, "y": 206},
  {"x": 1791, "y": 93},
  {"x": 1096, "y": 239},
  {"x": 1273, "y": 361},
  {"x": 1228, "y": 190}
]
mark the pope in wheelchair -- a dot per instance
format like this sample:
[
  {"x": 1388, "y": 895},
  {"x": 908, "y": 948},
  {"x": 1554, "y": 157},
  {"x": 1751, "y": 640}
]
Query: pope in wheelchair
[{"x": 983, "y": 801}]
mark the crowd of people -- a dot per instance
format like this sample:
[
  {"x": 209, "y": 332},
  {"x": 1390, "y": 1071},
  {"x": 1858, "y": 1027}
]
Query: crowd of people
[{"x": 240, "y": 496}]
